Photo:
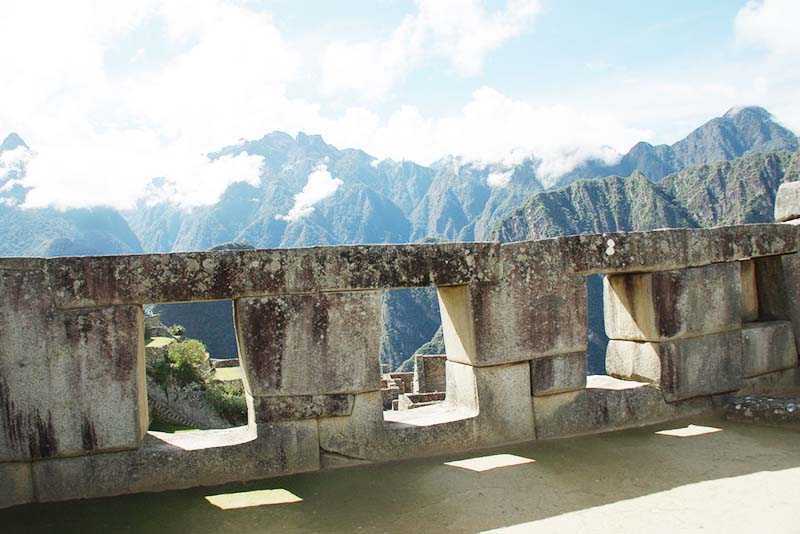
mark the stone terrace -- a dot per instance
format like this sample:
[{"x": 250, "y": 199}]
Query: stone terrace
[{"x": 694, "y": 316}]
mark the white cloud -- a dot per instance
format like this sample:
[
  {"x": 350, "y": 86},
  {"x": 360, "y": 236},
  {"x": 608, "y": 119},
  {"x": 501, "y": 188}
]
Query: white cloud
[
  {"x": 320, "y": 185},
  {"x": 14, "y": 160},
  {"x": 771, "y": 24},
  {"x": 493, "y": 127},
  {"x": 460, "y": 31},
  {"x": 223, "y": 77},
  {"x": 499, "y": 178}
]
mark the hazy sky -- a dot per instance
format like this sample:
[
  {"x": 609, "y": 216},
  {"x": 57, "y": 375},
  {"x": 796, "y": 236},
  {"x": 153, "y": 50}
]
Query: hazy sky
[{"x": 111, "y": 94}]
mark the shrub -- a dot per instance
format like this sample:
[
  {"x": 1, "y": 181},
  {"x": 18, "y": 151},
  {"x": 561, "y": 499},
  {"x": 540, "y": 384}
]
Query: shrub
[
  {"x": 177, "y": 330},
  {"x": 189, "y": 362},
  {"x": 228, "y": 401}
]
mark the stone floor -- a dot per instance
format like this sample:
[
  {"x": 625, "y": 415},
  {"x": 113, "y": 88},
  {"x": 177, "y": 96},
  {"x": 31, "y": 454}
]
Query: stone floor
[{"x": 741, "y": 478}]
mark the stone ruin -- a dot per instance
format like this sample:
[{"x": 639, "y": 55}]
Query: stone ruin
[
  {"x": 424, "y": 387},
  {"x": 695, "y": 316}
]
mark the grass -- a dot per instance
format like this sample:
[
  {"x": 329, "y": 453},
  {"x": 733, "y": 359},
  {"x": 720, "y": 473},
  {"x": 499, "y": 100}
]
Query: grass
[
  {"x": 226, "y": 374},
  {"x": 158, "y": 342}
]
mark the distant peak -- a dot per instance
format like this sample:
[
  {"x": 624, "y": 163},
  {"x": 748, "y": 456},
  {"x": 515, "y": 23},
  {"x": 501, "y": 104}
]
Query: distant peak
[
  {"x": 12, "y": 141},
  {"x": 752, "y": 110}
]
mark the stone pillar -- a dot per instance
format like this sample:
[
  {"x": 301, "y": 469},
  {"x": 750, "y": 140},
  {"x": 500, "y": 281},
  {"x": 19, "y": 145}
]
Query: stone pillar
[
  {"x": 787, "y": 209},
  {"x": 531, "y": 321},
  {"x": 308, "y": 356},
  {"x": 72, "y": 382},
  {"x": 679, "y": 329}
]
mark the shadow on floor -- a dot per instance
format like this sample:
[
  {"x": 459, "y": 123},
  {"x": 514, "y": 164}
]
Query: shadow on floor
[{"x": 568, "y": 476}]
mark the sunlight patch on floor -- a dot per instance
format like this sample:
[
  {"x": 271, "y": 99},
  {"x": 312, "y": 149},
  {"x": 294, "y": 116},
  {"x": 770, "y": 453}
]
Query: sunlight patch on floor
[
  {"x": 247, "y": 499},
  {"x": 689, "y": 431},
  {"x": 486, "y": 463}
]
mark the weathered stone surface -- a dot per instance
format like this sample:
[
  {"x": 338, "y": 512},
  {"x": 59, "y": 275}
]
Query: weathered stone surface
[
  {"x": 684, "y": 368},
  {"x": 71, "y": 382},
  {"x": 22, "y": 264},
  {"x": 787, "y": 202},
  {"x": 749, "y": 291},
  {"x": 608, "y": 404},
  {"x": 773, "y": 298},
  {"x": 274, "y": 409},
  {"x": 106, "y": 280},
  {"x": 16, "y": 484},
  {"x": 517, "y": 320},
  {"x": 776, "y": 383},
  {"x": 657, "y": 250},
  {"x": 766, "y": 410},
  {"x": 673, "y": 304},
  {"x": 366, "y": 436},
  {"x": 559, "y": 373},
  {"x": 110, "y": 280},
  {"x": 175, "y": 461},
  {"x": 309, "y": 344},
  {"x": 791, "y": 279},
  {"x": 484, "y": 406},
  {"x": 502, "y": 394},
  {"x": 430, "y": 373},
  {"x": 767, "y": 347}
]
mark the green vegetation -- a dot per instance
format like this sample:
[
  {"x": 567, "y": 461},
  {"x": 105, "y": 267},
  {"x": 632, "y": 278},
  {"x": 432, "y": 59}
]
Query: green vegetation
[
  {"x": 229, "y": 402},
  {"x": 177, "y": 330},
  {"x": 186, "y": 365},
  {"x": 189, "y": 362}
]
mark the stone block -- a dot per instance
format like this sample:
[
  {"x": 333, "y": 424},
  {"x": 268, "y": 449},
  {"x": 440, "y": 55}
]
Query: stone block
[
  {"x": 16, "y": 484},
  {"x": 791, "y": 279},
  {"x": 749, "y": 291},
  {"x": 773, "y": 297},
  {"x": 109, "y": 280},
  {"x": 71, "y": 381},
  {"x": 787, "y": 202},
  {"x": 767, "y": 347},
  {"x": 430, "y": 373},
  {"x": 484, "y": 406},
  {"x": 501, "y": 394},
  {"x": 557, "y": 374},
  {"x": 516, "y": 320},
  {"x": 607, "y": 404},
  {"x": 685, "y": 368},
  {"x": 670, "y": 305},
  {"x": 289, "y": 408},
  {"x": 309, "y": 344},
  {"x": 176, "y": 461},
  {"x": 776, "y": 383},
  {"x": 654, "y": 250}
]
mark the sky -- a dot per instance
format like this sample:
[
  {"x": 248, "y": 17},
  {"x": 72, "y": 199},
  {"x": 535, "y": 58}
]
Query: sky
[{"x": 110, "y": 95}]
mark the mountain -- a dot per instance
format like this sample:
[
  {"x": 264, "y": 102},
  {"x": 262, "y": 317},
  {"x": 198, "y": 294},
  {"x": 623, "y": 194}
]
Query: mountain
[
  {"x": 595, "y": 206},
  {"x": 465, "y": 198},
  {"x": 51, "y": 232},
  {"x": 724, "y": 193},
  {"x": 738, "y": 132},
  {"x": 723, "y": 172},
  {"x": 740, "y": 191}
]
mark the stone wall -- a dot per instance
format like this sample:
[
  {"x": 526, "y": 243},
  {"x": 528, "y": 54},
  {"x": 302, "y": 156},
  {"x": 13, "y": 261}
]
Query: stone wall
[{"x": 692, "y": 315}]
